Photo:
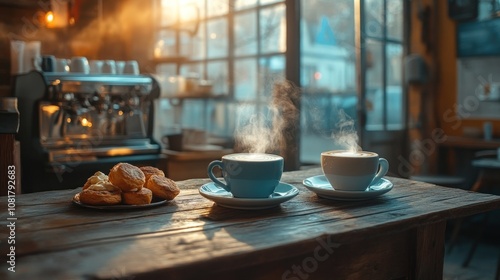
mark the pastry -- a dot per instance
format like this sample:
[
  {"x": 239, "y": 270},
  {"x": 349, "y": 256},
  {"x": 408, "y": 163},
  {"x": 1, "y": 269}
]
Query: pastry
[
  {"x": 101, "y": 193},
  {"x": 150, "y": 170},
  {"x": 96, "y": 178},
  {"x": 127, "y": 177},
  {"x": 140, "y": 197},
  {"x": 162, "y": 187}
]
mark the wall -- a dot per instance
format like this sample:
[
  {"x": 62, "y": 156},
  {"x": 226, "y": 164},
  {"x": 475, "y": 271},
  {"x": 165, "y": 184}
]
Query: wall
[
  {"x": 123, "y": 33},
  {"x": 435, "y": 105}
]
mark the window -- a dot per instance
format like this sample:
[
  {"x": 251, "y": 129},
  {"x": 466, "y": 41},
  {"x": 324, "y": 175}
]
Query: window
[
  {"x": 241, "y": 46},
  {"x": 384, "y": 46},
  {"x": 237, "y": 45}
]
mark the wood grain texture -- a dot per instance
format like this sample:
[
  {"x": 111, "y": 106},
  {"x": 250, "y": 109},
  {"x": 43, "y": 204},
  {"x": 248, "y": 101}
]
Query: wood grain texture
[{"x": 192, "y": 237}]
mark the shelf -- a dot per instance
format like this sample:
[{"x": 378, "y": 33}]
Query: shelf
[
  {"x": 194, "y": 95},
  {"x": 327, "y": 93},
  {"x": 172, "y": 59}
]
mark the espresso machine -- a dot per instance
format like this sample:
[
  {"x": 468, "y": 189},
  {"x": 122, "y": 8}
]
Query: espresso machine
[{"x": 72, "y": 125}]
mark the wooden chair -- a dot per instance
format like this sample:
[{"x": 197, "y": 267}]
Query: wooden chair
[{"x": 488, "y": 178}]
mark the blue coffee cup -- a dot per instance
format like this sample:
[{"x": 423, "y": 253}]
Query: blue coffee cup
[{"x": 248, "y": 175}]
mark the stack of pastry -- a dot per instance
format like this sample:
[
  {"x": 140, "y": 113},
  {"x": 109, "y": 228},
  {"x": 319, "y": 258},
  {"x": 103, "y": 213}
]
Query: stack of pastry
[{"x": 128, "y": 184}]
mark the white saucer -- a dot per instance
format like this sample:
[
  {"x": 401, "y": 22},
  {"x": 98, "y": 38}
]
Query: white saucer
[
  {"x": 320, "y": 185},
  {"x": 282, "y": 193}
]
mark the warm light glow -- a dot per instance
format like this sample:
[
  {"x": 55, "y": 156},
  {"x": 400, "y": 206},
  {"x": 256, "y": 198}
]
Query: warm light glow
[
  {"x": 158, "y": 51},
  {"x": 50, "y": 109},
  {"x": 72, "y": 21},
  {"x": 86, "y": 122},
  {"x": 49, "y": 17},
  {"x": 188, "y": 12},
  {"x": 58, "y": 15},
  {"x": 213, "y": 35},
  {"x": 119, "y": 152},
  {"x": 120, "y": 113},
  {"x": 68, "y": 120}
]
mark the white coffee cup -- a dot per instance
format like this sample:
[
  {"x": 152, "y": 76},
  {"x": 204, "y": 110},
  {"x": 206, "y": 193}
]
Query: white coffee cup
[
  {"x": 131, "y": 67},
  {"x": 96, "y": 66},
  {"x": 31, "y": 55},
  {"x": 79, "y": 64},
  {"x": 17, "y": 57},
  {"x": 353, "y": 171},
  {"x": 119, "y": 67},
  {"x": 62, "y": 65},
  {"x": 109, "y": 67}
]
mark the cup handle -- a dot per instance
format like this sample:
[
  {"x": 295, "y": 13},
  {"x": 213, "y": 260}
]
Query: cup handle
[
  {"x": 211, "y": 166},
  {"x": 383, "y": 168}
]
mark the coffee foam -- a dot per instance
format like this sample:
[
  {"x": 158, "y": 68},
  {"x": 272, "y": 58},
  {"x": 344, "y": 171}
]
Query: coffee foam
[
  {"x": 253, "y": 157},
  {"x": 351, "y": 154}
]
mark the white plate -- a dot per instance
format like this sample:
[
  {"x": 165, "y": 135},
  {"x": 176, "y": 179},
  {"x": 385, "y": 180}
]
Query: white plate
[
  {"x": 320, "y": 185},
  {"x": 282, "y": 193}
]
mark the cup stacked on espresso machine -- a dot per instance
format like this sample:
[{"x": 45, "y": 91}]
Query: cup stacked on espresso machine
[{"x": 73, "y": 123}]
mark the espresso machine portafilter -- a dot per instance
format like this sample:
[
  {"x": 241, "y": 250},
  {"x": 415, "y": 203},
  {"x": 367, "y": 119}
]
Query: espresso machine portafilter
[{"x": 73, "y": 125}]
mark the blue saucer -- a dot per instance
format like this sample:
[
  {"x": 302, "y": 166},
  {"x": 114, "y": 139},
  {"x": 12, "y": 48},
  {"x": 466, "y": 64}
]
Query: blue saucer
[
  {"x": 282, "y": 193},
  {"x": 320, "y": 185}
]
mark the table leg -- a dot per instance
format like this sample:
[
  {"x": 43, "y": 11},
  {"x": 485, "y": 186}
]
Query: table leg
[
  {"x": 454, "y": 234},
  {"x": 479, "y": 182},
  {"x": 429, "y": 255}
]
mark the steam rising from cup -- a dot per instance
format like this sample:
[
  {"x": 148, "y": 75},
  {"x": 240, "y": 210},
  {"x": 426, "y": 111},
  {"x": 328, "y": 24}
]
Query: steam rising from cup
[
  {"x": 267, "y": 131},
  {"x": 346, "y": 135}
]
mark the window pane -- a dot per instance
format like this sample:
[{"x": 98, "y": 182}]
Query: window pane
[
  {"x": 374, "y": 83},
  {"x": 242, "y": 4},
  {"x": 190, "y": 69},
  {"x": 168, "y": 69},
  {"x": 264, "y": 2},
  {"x": 395, "y": 19},
  {"x": 245, "y": 33},
  {"x": 328, "y": 57},
  {"x": 186, "y": 45},
  {"x": 388, "y": 100},
  {"x": 374, "y": 18},
  {"x": 194, "y": 114},
  {"x": 217, "y": 74},
  {"x": 245, "y": 79},
  {"x": 273, "y": 29},
  {"x": 217, "y": 38},
  {"x": 217, "y": 7},
  {"x": 394, "y": 105},
  {"x": 165, "y": 45},
  {"x": 328, "y": 77},
  {"x": 191, "y": 10},
  {"x": 394, "y": 89},
  {"x": 271, "y": 69},
  {"x": 394, "y": 70},
  {"x": 168, "y": 12},
  {"x": 199, "y": 44}
]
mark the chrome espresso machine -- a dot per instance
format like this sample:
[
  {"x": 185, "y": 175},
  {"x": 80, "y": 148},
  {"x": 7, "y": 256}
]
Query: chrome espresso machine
[{"x": 72, "y": 125}]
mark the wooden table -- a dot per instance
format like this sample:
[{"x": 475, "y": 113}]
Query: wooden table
[
  {"x": 470, "y": 143},
  {"x": 459, "y": 152},
  {"x": 400, "y": 234}
]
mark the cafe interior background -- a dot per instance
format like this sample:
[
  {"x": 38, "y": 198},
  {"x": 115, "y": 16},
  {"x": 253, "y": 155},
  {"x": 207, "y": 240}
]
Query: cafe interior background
[{"x": 402, "y": 77}]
